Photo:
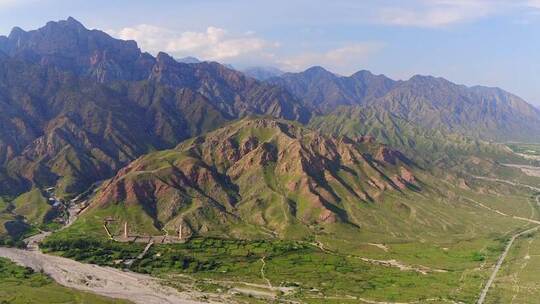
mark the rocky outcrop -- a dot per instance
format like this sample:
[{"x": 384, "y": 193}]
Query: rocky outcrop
[{"x": 390, "y": 156}]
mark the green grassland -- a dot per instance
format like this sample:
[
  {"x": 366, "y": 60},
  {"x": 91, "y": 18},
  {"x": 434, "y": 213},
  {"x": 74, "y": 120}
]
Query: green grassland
[
  {"x": 19, "y": 285},
  {"x": 33, "y": 206},
  {"x": 525, "y": 148},
  {"x": 458, "y": 258},
  {"x": 517, "y": 281},
  {"x": 317, "y": 276},
  {"x": 23, "y": 215},
  {"x": 12, "y": 227}
]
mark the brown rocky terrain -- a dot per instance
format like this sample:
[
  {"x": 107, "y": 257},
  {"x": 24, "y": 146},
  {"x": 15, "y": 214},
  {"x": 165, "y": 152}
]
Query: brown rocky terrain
[{"x": 259, "y": 171}]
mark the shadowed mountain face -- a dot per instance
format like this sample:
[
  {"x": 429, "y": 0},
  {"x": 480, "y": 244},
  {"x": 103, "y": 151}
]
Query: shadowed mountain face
[
  {"x": 428, "y": 102},
  {"x": 78, "y": 104}
]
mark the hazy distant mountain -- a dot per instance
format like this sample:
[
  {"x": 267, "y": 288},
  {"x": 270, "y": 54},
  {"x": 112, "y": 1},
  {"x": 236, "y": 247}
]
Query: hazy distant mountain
[
  {"x": 323, "y": 90},
  {"x": 188, "y": 59},
  {"x": 262, "y": 73},
  {"x": 430, "y": 102},
  {"x": 489, "y": 113}
]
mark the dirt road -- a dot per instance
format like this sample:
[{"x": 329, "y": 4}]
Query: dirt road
[
  {"x": 529, "y": 170},
  {"x": 500, "y": 261},
  {"x": 507, "y": 182},
  {"x": 104, "y": 281},
  {"x": 485, "y": 290}
]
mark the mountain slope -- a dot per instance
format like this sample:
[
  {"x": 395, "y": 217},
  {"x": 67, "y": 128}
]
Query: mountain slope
[
  {"x": 256, "y": 172},
  {"x": 488, "y": 113},
  {"x": 430, "y": 147},
  {"x": 266, "y": 178},
  {"x": 77, "y": 105},
  {"x": 69, "y": 46}
]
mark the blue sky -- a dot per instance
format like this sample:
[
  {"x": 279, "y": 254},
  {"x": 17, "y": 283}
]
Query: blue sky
[{"x": 484, "y": 42}]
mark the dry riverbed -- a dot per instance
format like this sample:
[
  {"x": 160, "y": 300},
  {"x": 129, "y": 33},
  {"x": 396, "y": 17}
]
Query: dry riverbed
[{"x": 104, "y": 281}]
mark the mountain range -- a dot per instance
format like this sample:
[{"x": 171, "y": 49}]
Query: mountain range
[
  {"x": 426, "y": 101},
  {"x": 285, "y": 152},
  {"x": 78, "y": 104}
]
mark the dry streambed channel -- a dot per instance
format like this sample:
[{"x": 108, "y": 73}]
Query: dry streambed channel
[{"x": 104, "y": 281}]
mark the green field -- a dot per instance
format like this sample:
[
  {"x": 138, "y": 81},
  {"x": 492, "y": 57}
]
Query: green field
[
  {"x": 455, "y": 267},
  {"x": 438, "y": 256},
  {"x": 525, "y": 148},
  {"x": 19, "y": 285},
  {"x": 517, "y": 281}
]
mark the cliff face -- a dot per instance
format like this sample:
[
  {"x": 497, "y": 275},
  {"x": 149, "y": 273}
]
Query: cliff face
[{"x": 264, "y": 172}]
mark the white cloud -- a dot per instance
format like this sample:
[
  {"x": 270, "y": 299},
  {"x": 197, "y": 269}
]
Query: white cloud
[
  {"x": 11, "y": 3},
  {"x": 243, "y": 50},
  {"x": 441, "y": 13},
  {"x": 533, "y": 4},
  {"x": 213, "y": 44},
  {"x": 345, "y": 60},
  {"x": 7, "y": 2},
  {"x": 436, "y": 13}
]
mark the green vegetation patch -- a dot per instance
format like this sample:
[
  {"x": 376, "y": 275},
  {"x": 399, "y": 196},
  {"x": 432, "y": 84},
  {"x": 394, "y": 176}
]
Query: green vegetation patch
[
  {"x": 19, "y": 285},
  {"x": 313, "y": 274},
  {"x": 94, "y": 251},
  {"x": 525, "y": 148},
  {"x": 33, "y": 206}
]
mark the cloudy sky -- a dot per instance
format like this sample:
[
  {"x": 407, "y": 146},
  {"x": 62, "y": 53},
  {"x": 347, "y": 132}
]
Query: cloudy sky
[{"x": 487, "y": 42}]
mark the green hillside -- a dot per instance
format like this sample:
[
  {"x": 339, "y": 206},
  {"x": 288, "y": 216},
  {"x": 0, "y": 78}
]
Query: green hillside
[{"x": 265, "y": 178}]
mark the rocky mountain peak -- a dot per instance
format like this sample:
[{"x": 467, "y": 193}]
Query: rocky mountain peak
[
  {"x": 164, "y": 58},
  {"x": 16, "y": 33},
  {"x": 318, "y": 71}
]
